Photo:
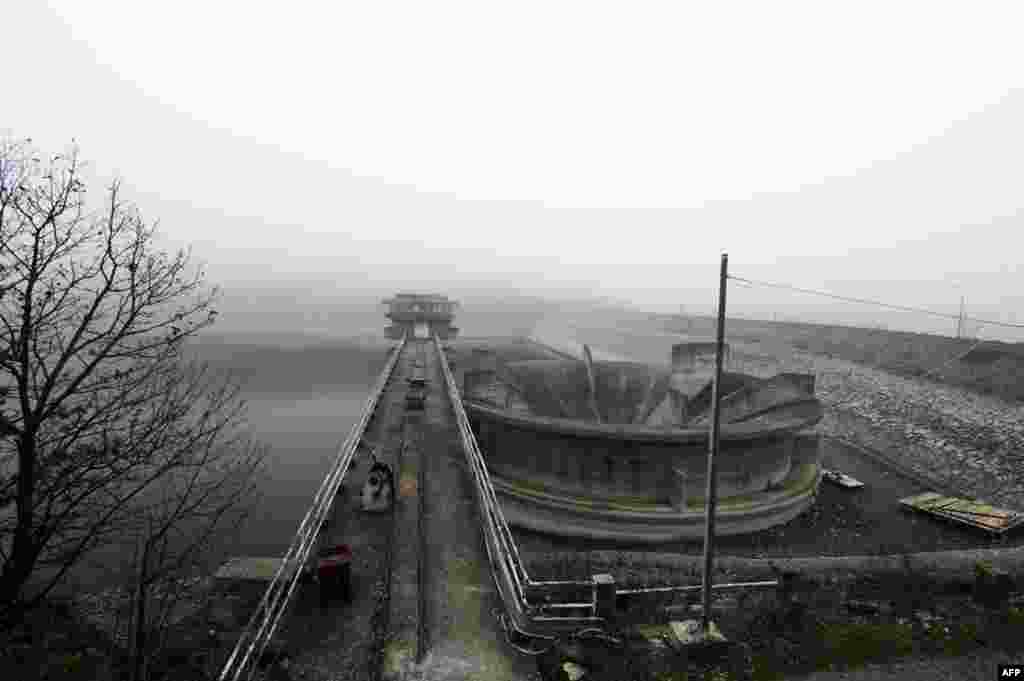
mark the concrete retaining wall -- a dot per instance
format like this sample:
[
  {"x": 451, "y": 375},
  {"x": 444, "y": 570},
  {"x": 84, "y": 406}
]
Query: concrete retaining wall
[
  {"x": 939, "y": 566},
  {"x": 591, "y": 464},
  {"x": 571, "y": 519},
  {"x": 644, "y": 491}
]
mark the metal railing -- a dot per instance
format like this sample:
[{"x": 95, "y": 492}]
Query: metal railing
[
  {"x": 507, "y": 568},
  {"x": 262, "y": 626}
]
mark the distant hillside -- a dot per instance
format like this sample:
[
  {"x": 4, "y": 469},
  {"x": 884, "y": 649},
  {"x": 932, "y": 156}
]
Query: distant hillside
[
  {"x": 986, "y": 367},
  {"x": 287, "y": 313}
]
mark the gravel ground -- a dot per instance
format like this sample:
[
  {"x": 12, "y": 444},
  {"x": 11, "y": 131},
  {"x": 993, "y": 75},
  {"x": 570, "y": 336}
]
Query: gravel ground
[
  {"x": 970, "y": 442},
  {"x": 979, "y": 666}
]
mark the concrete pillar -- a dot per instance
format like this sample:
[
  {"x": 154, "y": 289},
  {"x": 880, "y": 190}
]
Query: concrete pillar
[
  {"x": 686, "y": 487},
  {"x": 679, "y": 411},
  {"x": 572, "y": 464},
  {"x": 560, "y": 459},
  {"x": 581, "y": 466},
  {"x": 788, "y": 447},
  {"x": 604, "y": 596},
  {"x": 693, "y": 356}
]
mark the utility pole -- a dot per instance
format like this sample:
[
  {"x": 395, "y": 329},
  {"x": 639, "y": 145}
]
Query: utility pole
[
  {"x": 960, "y": 320},
  {"x": 712, "y": 486}
]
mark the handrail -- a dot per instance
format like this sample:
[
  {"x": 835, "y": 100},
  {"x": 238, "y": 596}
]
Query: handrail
[
  {"x": 506, "y": 565},
  {"x": 262, "y": 626},
  {"x": 493, "y": 520}
]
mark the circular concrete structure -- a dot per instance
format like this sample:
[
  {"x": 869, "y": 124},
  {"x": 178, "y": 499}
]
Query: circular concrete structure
[{"x": 619, "y": 451}]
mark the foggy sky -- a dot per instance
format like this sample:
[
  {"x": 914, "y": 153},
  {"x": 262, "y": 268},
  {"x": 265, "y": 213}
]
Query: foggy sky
[{"x": 558, "y": 153}]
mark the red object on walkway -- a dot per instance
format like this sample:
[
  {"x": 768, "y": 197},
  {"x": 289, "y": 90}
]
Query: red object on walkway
[
  {"x": 334, "y": 569},
  {"x": 336, "y": 555}
]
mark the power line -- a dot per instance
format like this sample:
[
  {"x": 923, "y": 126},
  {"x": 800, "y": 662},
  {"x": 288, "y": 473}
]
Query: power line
[{"x": 864, "y": 301}]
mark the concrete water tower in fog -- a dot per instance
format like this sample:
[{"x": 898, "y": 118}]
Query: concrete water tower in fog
[{"x": 420, "y": 315}]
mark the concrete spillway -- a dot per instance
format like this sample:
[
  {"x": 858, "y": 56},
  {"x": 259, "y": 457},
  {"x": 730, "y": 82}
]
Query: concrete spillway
[{"x": 636, "y": 470}]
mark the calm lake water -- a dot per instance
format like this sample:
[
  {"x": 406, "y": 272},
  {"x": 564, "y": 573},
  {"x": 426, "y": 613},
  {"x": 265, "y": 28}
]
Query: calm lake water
[
  {"x": 304, "y": 436},
  {"x": 301, "y": 403}
]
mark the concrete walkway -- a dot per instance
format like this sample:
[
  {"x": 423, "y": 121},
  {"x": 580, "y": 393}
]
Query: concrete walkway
[
  {"x": 335, "y": 641},
  {"x": 464, "y": 639}
]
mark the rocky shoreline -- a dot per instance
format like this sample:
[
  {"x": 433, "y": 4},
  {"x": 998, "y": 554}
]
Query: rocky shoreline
[{"x": 963, "y": 441}]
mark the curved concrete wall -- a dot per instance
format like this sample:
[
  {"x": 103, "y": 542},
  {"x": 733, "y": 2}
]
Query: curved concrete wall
[
  {"x": 558, "y": 510},
  {"x": 568, "y": 519},
  {"x": 561, "y": 477},
  {"x": 558, "y": 469},
  {"x": 603, "y": 466}
]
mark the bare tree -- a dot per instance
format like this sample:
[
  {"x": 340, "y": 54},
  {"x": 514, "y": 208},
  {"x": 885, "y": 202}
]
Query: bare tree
[{"x": 108, "y": 434}]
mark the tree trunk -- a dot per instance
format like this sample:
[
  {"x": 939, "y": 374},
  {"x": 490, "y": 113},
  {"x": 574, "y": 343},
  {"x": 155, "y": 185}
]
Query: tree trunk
[
  {"x": 139, "y": 617},
  {"x": 18, "y": 567}
]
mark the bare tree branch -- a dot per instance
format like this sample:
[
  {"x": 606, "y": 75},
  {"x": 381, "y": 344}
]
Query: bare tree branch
[{"x": 114, "y": 435}]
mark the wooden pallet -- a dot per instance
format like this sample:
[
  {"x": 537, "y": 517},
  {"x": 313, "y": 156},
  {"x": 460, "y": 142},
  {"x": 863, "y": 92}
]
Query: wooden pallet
[{"x": 965, "y": 511}]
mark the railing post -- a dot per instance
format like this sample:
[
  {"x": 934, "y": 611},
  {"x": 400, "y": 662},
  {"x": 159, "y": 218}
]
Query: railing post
[
  {"x": 262, "y": 626},
  {"x": 604, "y": 596}
]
